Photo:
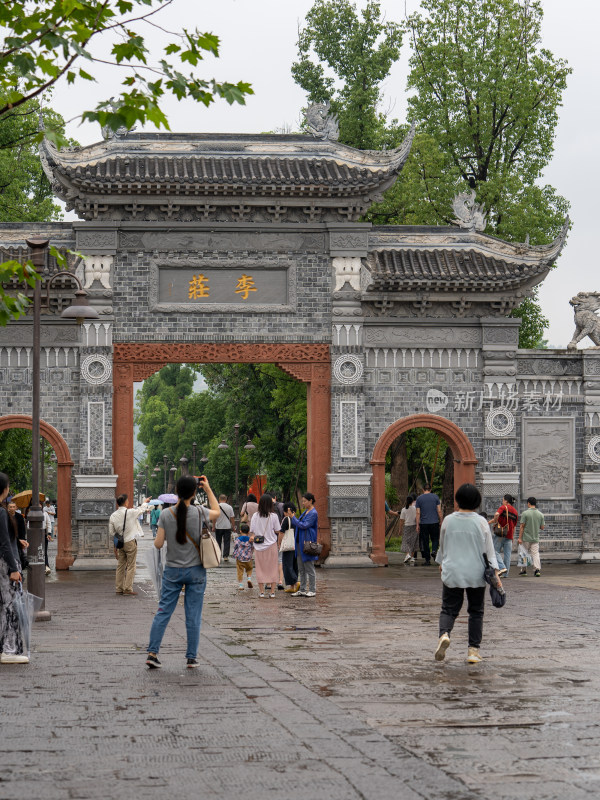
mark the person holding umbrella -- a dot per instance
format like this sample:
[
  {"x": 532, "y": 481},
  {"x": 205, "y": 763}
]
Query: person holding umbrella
[
  {"x": 154, "y": 516},
  {"x": 11, "y": 579}
]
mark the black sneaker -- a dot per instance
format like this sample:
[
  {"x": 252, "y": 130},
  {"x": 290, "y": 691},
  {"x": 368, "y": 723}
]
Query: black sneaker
[
  {"x": 280, "y": 587},
  {"x": 192, "y": 663},
  {"x": 537, "y": 574},
  {"x": 153, "y": 662}
]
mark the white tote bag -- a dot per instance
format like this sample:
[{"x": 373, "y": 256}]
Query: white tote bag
[{"x": 288, "y": 542}]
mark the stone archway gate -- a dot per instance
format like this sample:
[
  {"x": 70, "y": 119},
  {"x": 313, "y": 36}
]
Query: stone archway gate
[
  {"x": 309, "y": 363},
  {"x": 64, "y": 464},
  {"x": 227, "y": 247}
]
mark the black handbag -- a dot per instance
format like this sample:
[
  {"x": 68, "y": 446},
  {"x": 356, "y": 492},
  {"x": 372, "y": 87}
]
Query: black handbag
[
  {"x": 497, "y": 593},
  {"x": 119, "y": 538},
  {"x": 312, "y": 548}
]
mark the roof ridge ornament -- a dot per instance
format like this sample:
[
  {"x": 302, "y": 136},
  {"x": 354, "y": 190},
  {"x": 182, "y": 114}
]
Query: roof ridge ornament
[
  {"x": 469, "y": 214},
  {"x": 321, "y": 123}
]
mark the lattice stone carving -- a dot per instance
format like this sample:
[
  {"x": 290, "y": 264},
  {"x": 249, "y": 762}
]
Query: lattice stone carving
[
  {"x": 348, "y": 369},
  {"x": 593, "y": 449},
  {"x": 500, "y": 489},
  {"x": 96, "y": 429},
  {"x": 349, "y": 491},
  {"x": 91, "y": 493},
  {"x": 348, "y": 428},
  {"x": 500, "y": 422},
  {"x": 96, "y": 369}
]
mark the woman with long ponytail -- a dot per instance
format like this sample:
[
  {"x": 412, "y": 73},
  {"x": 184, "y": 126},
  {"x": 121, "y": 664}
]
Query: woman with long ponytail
[{"x": 181, "y": 528}]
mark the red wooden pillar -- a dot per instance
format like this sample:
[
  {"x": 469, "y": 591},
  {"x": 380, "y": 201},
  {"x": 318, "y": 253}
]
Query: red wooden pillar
[{"x": 123, "y": 427}]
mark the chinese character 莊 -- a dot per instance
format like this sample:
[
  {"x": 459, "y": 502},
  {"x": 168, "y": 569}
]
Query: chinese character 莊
[
  {"x": 245, "y": 285},
  {"x": 198, "y": 287}
]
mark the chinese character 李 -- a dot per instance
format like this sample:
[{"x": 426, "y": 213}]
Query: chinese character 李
[
  {"x": 245, "y": 285},
  {"x": 198, "y": 287}
]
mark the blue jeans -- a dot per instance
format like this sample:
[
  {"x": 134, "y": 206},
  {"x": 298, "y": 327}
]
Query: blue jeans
[
  {"x": 503, "y": 548},
  {"x": 154, "y": 529},
  {"x": 174, "y": 578}
]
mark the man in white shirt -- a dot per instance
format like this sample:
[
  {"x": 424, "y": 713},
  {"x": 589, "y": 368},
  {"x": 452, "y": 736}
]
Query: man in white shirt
[
  {"x": 51, "y": 509},
  {"x": 224, "y": 525},
  {"x": 124, "y": 521}
]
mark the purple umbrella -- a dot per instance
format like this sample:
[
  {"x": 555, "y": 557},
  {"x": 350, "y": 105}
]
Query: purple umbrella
[{"x": 168, "y": 498}]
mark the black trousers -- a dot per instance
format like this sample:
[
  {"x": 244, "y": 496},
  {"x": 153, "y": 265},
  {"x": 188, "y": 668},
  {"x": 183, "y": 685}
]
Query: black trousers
[
  {"x": 223, "y": 537},
  {"x": 429, "y": 530},
  {"x": 290, "y": 567},
  {"x": 452, "y": 600},
  {"x": 46, "y": 549}
]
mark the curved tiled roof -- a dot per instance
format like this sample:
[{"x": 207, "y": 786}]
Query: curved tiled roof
[
  {"x": 201, "y": 165},
  {"x": 450, "y": 270}
]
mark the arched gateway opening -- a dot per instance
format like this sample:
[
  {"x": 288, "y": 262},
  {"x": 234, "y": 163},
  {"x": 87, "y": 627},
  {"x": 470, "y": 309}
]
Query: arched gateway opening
[
  {"x": 464, "y": 466},
  {"x": 309, "y": 363},
  {"x": 64, "y": 557}
]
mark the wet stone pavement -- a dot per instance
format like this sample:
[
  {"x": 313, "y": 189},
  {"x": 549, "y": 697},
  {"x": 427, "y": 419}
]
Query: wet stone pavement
[{"x": 336, "y": 697}]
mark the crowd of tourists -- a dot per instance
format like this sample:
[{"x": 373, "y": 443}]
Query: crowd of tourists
[{"x": 277, "y": 547}]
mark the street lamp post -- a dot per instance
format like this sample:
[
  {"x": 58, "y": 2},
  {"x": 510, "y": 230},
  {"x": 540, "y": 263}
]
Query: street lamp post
[
  {"x": 35, "y": 517},
  {"x": 165, "y": 462},
  {"x": 194, "y": 446},
  {"x": 247, "y": 446},
  {"x": 184, "y": 461}
]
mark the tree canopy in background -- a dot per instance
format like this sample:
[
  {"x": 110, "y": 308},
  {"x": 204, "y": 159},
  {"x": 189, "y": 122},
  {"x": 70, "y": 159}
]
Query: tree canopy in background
[
  {"x": 485, "y": 95},
  {"x": 268, "y": 405},
  {"x": 45, "y": 42},
  {"x": 25, "y": 191},
  {"x": 359, "y": 54}
]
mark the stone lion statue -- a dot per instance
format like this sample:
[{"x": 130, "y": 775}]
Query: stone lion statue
[{"x": 587, "y": 322}]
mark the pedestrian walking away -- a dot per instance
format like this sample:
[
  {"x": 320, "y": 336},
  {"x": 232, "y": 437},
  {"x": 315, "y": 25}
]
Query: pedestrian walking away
[
  {"x": 287, "y": 549},
  {"x": 154, "y": 517},
  {"x": 503, "y": 524},
  {"x": 249, "y": 508},
  {"x": 306, "y": 529},
  {"x": 532, "y": 522},
  {"x": 11, "y": 585},
  {"x": 265, "y": 535},
  {"x": 410, "y": 536},
  {"x": 181, "y": 528},
  {"x": 123, "y": 522},
  {"x": 464, "y": 538},
  {"x": 224, "y": 526},
  {"x": 243, "y": 552},
  {"x": 429, "y": 518},
  {"x": 278, "y": 509}
]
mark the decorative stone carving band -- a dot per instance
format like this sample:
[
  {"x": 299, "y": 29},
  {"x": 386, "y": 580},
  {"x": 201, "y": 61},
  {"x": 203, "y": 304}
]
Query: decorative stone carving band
[
  {"x": 348, "y": 369},
  {"x": 500, "y": 422},
  {"x": 349, "y": 507},
  {"x": 96, "y": 369},
  {"x": 593, "y": 449}
]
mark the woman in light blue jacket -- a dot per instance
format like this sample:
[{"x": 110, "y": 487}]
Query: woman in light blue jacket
[{"x": 464, "y": 538}]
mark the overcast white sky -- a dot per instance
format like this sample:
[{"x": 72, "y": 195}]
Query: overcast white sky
[{"x": 259, "y": 45}]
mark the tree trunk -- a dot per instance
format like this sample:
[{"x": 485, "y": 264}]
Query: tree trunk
[
  {"x": 448, "y": 483},
  {"x": 399, "y": 468}
]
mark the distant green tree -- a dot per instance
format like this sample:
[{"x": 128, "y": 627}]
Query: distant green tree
[
  {"x": 358, "y": 54},
  {"x": 485, "y": 95}
]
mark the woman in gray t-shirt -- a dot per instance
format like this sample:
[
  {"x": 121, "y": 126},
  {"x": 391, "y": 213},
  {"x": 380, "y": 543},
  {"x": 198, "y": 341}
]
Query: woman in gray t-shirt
[{"x": 180, "y": 527}]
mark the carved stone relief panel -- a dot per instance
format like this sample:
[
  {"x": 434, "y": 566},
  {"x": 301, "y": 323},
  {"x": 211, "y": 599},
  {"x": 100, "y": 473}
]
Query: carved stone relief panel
[
  {"x": 549, "y": 366},
  {"x": 346, "y": 270},
  {"x": 349, "y": 507},
  {"x": 590, "y": 504},
  {"x": 94, "y": 509},
  {"x": 548, "y": 446},
  {"x": 348, "y": 536},
  {"x": 499, "y": 454},
  {"x": 405, "y": 336}
]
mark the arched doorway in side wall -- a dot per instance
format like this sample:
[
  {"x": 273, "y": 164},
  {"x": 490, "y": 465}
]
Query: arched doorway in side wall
[
  {"x": 64, "y": 463},
  {"x": 464, "y": 466}
]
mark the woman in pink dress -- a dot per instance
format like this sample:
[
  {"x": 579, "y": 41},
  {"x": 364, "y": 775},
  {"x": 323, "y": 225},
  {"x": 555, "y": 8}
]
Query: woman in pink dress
[{"x": 265, "y": 532}]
